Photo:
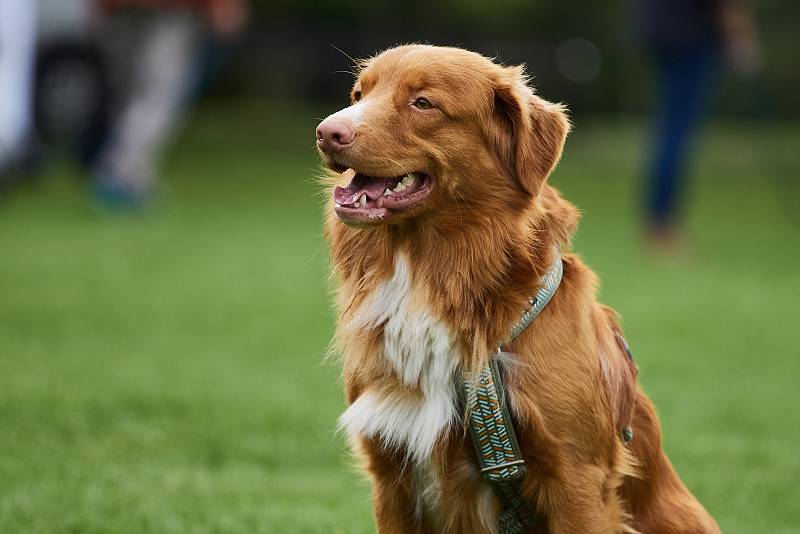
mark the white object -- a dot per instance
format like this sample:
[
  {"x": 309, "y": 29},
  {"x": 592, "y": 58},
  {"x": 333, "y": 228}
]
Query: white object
[{"x": 17, "y": 52}]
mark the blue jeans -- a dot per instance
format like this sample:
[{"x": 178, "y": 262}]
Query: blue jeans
[{"x": 684, "y": 79}]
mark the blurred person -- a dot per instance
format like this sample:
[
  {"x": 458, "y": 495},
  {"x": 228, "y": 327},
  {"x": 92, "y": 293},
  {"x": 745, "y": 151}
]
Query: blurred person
[
  {"x": 153, "y": 49},
  {"x": 17, "y": 54},
  {"x": 686, "y": 41}
]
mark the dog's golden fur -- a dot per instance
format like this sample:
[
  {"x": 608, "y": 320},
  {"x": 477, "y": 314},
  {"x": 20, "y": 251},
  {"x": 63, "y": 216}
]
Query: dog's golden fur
[{"x": 474, "y": 251}]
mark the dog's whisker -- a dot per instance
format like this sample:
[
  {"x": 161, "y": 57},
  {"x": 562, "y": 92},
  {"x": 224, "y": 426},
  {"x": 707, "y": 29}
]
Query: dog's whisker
[
  {"x": 345, "y": 54},
  {"x": 400, "y": 165}
]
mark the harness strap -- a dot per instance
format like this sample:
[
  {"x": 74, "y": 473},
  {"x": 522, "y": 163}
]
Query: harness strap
[
  {"x": 490, "y": 423},
  {"x": 496, "y": 445},
  {"x": 549, "y": 284}
]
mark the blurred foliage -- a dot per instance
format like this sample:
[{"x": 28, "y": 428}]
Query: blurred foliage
[{"x": 292, "y": 48}]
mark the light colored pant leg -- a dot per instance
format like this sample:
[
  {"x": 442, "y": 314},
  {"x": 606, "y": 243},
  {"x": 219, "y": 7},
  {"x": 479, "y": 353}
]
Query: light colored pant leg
[
  {"x": 161, "y": 71},
  {"x": 17, "y": 53}
]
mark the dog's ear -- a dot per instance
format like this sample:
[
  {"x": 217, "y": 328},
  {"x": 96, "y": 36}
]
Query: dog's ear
[{"x": 532, "y": 130}]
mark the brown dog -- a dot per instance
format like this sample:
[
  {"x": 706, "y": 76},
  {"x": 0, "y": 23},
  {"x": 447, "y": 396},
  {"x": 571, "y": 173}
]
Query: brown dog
[{"x": 439, "y": 232}]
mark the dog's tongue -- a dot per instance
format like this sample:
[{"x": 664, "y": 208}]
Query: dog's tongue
[{"x": 372, "y": 187}]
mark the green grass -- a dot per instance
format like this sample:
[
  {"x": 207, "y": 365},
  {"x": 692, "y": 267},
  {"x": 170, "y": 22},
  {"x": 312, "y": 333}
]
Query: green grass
[{"x": 164, "y": 372}]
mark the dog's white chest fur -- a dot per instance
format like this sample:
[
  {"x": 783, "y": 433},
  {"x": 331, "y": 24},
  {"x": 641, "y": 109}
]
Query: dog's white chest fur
[{"x": 420, "y": 349}]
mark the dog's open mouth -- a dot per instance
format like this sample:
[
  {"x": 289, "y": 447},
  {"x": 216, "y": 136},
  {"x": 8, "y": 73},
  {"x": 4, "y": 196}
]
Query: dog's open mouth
[{"x": 370, "y": 200}]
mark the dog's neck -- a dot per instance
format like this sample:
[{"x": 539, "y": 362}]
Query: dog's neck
[
  {"x": 483, "y": 274},
  {"x": 476, "y": 274}
]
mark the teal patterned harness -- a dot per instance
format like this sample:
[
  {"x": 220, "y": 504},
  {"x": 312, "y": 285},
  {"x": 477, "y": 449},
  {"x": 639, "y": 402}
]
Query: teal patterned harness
[{"x": 490, "y": 424}]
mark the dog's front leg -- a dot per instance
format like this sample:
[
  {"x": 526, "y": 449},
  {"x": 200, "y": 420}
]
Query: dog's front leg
[
  {"x": 584, "y": 501},
  {"x": 393, "y": 496},
  {"x": 394, "y": 509}
]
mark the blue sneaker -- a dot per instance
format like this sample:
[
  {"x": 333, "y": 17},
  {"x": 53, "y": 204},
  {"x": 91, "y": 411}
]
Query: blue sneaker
[{"x": 115, "y": 196}]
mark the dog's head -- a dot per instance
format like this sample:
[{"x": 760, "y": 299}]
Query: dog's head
[{"x": 432, "y": 132}]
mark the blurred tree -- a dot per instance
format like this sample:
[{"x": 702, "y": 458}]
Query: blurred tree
[{"x": 291, "y": 53}]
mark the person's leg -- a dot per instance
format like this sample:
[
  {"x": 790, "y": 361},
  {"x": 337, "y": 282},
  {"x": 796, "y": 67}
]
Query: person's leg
[
  {"x": 17, "y": 53},
  {"x": 684, "y": 81},
  {"x": 150, "y": 112}
]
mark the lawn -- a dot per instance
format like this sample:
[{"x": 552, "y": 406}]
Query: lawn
[{"x": 165, "y": 372}]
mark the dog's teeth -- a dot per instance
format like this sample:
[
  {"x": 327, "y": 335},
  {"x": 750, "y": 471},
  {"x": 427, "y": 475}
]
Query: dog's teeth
[
  {"x": 387, "y": 192},
  {"x": 363, "y": 199},
  {"x": 408, "y": 179},
  {"x": 400, "y": 187}
]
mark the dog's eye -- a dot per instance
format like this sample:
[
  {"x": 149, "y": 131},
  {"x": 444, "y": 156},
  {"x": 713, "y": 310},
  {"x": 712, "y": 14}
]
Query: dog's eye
[
  {"x": 422, "y": 103},
  {"x": 356, "y": 95}
]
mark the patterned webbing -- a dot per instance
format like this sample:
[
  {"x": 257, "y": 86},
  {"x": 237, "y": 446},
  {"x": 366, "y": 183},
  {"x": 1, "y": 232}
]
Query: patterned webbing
[
  {"x": 491, "y": 427},
  {"x": 550, "y": 282},
  {"x": 496, "y": 445}
]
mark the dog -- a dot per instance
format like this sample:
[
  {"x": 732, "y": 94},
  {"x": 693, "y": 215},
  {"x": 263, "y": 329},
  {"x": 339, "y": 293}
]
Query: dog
[{"x": 441, "y": 224}]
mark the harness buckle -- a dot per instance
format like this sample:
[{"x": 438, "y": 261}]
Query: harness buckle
[{"x": 502, "y": 466}]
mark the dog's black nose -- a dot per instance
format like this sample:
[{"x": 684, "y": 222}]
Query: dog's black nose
[{"x": 333, "y": 135}]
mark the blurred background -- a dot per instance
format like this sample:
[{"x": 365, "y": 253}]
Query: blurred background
[{"x": 164, "y": 310}]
